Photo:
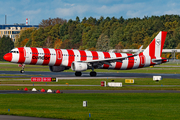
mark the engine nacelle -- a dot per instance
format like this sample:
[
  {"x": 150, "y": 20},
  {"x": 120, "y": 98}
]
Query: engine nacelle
[
  {"x": 57, "y": 68},
  {"x": 79, "y": 66}
]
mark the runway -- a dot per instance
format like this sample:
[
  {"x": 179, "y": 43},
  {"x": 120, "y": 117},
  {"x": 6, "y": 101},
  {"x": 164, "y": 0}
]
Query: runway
[{"x": 85, "y": 75}]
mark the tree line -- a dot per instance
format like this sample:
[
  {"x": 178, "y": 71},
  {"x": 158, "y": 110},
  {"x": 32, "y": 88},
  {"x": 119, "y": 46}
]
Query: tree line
[
  {"x": 101, "y": 34},
  {"x": 97, "y": 34},
  {"x": 6, "y": 44}
]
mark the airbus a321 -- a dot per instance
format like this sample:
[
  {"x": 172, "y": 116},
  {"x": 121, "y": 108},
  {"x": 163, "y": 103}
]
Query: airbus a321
[{"x": 59, "y": 60}]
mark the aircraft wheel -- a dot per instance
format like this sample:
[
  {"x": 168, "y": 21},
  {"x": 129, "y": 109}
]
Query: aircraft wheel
[
  {"x": 22, "y": 71},
  {"x": 93, "y": 73},
  {"x": 78, "y": 73}
]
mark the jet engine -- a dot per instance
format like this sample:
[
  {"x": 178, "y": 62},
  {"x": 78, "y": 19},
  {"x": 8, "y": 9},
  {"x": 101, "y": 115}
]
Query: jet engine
[
  {"x": 79, "y": 66},
  {"x": 57, "y": 68}
]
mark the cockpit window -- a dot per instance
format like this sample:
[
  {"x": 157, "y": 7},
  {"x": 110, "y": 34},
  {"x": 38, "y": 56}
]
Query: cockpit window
[{"x": 14, "y": 51}]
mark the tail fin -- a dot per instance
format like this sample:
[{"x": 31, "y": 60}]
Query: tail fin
[{"x": 154, "y": 50}]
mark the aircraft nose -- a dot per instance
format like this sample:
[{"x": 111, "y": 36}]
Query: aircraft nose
[{"x": 8, "y": 57}]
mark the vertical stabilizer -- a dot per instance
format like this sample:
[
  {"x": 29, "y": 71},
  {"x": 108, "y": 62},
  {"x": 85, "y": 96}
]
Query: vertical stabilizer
[{"x": 154, "y": 50}]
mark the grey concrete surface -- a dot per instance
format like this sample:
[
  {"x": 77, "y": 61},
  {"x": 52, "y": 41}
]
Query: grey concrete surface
[{"x": 85, "y": 75}]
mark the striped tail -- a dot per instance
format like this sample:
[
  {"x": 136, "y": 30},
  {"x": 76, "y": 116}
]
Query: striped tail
[{"x": 154, "y": 50}]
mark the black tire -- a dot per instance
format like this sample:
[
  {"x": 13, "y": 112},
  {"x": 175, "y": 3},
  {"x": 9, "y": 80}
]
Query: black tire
[
  {"x": 93, "y": 74},
  {"x": 22, "y": 71},
  {"x": 78, "y": 73}
]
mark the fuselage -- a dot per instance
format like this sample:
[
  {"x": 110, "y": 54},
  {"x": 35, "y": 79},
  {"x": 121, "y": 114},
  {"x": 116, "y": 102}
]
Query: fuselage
[{"x": 65, "y": 57}]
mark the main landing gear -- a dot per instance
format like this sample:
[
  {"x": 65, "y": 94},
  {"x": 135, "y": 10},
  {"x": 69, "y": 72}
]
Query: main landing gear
[
  {"x": 78, "y": 73},
  {"x": 92, "y": 73},
  {"x": 22, "y": 65}
]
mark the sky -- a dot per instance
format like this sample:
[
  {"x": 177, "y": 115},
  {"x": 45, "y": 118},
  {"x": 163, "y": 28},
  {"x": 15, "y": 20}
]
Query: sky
[{"x": 36, "y": 10}]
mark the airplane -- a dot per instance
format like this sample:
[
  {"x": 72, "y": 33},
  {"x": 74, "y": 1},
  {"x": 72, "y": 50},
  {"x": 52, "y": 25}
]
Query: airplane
[{"x": 59, "y": 60}]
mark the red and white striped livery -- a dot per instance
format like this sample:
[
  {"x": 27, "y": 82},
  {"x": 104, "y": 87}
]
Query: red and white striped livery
[{"x": 79, "y": 60}]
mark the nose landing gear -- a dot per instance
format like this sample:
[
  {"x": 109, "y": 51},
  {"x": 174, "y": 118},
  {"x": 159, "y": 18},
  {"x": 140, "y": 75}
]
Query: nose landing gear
[{"x": 22, "y": 65}]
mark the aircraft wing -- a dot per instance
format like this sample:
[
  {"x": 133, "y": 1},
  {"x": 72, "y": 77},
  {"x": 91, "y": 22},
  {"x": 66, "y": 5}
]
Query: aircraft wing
[
  {"x": 107, "y": 61},
  {"x": 110, "y": 60}
]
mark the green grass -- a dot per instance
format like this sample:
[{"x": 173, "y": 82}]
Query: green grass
[
  {"x": 105, "y": 106},
  {"x": 161, "y": 85},
  {"x": 138, "y": 81},
  {"x": 113, "y": 106}
]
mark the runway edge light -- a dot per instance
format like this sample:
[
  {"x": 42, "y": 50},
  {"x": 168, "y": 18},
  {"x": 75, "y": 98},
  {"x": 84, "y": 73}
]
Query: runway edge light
[
  {"x": 25, "y": 89},
  {"x": 49, "y": 91},
  {"x": 58, "y": 91},
  {"x": 34, "y": 90},
  {"x": 42, "y": 90}
]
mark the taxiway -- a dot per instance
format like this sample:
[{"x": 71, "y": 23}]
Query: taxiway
[{"x": 85, "y": 75}]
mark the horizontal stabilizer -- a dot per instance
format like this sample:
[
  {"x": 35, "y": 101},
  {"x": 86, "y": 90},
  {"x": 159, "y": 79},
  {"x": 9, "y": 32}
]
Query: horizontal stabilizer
[{"x": 158, "y": 60}]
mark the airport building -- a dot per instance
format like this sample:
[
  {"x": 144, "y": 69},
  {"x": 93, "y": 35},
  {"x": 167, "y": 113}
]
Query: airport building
[{"x": 13, "y": 30}]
